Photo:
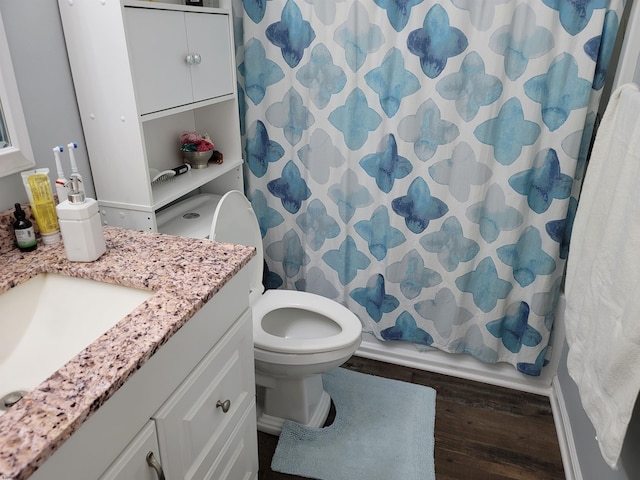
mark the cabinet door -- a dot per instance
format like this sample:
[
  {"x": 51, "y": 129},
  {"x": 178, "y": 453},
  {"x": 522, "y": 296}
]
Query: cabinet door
[
  {"x": 158, "y": 54},
  {"x": 132, "y": 464},
  {"x": 200, "y": 417},
  {"x": 239, "y": 457},
  {"x": 208, "y": 37}
]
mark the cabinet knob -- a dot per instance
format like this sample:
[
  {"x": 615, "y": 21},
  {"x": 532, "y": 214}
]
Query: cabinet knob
[
  {"x": 224, "y": 405},
  {"x": 153, "y": 462},
  {"x": 193, "y": 59}
]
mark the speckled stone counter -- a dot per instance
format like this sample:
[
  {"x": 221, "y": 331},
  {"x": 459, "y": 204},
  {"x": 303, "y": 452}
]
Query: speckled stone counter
[{"x": 184, "y": 274}]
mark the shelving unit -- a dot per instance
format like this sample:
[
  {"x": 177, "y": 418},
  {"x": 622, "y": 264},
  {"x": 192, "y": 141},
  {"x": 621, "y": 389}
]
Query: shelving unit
[{"x": 144, "y": 72}]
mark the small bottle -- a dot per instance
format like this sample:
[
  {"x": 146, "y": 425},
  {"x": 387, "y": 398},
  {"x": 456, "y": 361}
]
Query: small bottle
[
  {"x": 80, "y": 226},
  {"x": 25, "y": 236}
]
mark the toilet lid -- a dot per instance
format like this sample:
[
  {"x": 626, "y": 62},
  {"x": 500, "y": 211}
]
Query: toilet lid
[{"x": 235, "y": 222}]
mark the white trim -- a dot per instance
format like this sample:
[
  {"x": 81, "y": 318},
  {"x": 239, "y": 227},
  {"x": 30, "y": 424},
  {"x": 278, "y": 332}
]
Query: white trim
[
  {"x": 565, "y": 434},
  {"x": 462, "y": 366},
  {"x": 19, "y": 155}
]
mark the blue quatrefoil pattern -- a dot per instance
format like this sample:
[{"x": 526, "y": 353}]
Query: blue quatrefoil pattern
[{"x": 419, "y": 161}]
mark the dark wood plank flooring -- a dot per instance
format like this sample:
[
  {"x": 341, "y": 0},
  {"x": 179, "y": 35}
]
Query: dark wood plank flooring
[{"x": 482, "y": 432}]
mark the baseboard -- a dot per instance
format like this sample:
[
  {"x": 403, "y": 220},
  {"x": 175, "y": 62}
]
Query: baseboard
[
  {"x": 565, "y": 434},
  {"x": 461, "y": 366}
]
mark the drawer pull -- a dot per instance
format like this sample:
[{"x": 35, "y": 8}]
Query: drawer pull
[
  {"x": 155, "y": 464},
  {"x": 224, "y": 405}
]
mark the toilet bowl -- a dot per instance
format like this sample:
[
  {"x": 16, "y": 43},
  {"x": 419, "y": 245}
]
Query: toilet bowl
[{"x": 297, "y": 335}]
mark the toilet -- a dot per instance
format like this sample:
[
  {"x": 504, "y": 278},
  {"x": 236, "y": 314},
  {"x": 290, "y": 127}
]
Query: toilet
[{"x": 297, "y": 336}]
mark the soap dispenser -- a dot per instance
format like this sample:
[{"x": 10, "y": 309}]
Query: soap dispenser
[{"x": 80, "y": 226}]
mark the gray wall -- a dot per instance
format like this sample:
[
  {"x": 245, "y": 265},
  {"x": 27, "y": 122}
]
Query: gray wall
[
  {"x": 592, "y": 465},
  {"x": 38, "y": 53}
]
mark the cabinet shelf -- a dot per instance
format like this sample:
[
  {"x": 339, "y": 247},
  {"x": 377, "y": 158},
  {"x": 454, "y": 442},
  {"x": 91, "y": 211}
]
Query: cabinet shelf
[
  {"x": 146, "y": 117},
  {"x": 165, "y": 193}
]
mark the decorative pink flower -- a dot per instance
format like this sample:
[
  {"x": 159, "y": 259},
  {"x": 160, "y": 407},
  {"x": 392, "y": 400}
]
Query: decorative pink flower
[
  {"x": 194, "y": 142},
  {"x": 190, "y": 137},
  {"x": 204, "y": 146}
]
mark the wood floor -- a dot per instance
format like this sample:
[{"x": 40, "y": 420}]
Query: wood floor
[{"x": 482, "y": 432}]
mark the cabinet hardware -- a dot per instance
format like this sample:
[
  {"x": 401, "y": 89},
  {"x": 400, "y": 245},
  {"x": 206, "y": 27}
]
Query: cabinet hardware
[
  {"x": 153, "y": 462},
  {"x": 224, "y": 405},
  {"x": 194, "y": 59}
]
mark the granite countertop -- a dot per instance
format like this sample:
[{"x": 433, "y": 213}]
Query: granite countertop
[{"x": 184, "y": 273}]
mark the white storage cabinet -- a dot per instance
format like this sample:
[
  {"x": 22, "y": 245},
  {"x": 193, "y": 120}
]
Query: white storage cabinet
[{"x": 144, "y": 72}]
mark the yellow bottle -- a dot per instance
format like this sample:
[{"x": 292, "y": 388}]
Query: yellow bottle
[{"x": 36, "y": 183}]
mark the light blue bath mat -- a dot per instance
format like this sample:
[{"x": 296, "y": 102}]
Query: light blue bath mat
[{"x": 383, "y": 430}]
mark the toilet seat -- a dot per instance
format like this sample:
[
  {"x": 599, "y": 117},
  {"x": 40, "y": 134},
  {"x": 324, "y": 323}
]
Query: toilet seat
[{"x": 347, "y": 325}]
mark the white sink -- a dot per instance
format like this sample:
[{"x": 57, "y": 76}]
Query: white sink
[{"x": 49, "y": 319}]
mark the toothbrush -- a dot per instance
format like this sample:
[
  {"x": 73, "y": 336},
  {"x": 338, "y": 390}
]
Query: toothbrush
[
  {"x": 74, "y": 166},
  {"x": 62, "y": 184}
]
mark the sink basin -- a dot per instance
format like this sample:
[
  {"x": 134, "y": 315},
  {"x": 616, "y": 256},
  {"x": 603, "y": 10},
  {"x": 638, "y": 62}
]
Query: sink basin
[{"x": 49, "y": 319}]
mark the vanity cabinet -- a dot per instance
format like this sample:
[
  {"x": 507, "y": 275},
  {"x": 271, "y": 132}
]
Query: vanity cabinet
[
  {"x": 133, "y": 463},
  {"x": 144, "y": 72},
  {"x": 203, "y": 414},
  {"x": 191, "y": 405}
]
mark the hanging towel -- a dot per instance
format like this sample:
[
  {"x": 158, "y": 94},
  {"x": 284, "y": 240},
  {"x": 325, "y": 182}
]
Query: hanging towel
[{"x": 603, "y": 276}]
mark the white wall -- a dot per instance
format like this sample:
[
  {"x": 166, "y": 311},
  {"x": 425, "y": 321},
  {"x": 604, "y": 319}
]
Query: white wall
[{"x": 38, "y": 53}]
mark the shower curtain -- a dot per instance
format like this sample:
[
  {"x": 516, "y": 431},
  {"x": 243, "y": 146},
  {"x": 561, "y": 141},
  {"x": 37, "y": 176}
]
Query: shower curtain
[{"x": 419, "y": 161}]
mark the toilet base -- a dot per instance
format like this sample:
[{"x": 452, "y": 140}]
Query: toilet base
[
  {"x": 273, "y": 425},
  {"x": 302, "y": 400}
]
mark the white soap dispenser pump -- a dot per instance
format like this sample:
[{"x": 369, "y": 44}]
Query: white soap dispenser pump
[{"x": 80, "y": 226}]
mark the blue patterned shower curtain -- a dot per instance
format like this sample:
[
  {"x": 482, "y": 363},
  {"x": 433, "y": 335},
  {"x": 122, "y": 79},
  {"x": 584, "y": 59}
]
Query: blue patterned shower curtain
[{"x": 419, "y": 161}]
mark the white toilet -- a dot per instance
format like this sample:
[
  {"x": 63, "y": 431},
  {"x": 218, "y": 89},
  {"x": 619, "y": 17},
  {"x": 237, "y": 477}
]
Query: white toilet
[{"x": 297, "y": 335}]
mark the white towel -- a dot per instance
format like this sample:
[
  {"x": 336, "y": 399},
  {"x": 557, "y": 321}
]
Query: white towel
[{"x": 603, "y": 276}]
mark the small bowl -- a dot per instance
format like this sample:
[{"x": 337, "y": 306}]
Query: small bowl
[{"x": 198, "y": 159}]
